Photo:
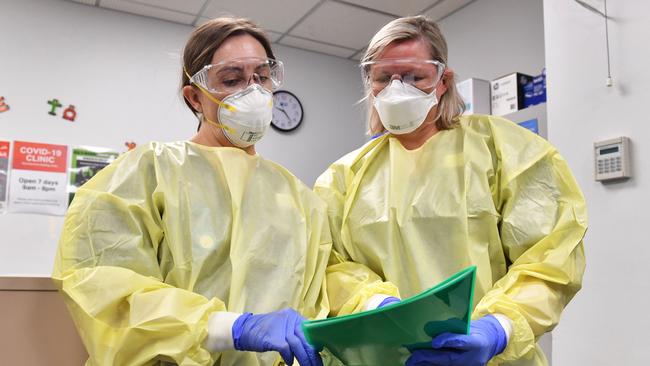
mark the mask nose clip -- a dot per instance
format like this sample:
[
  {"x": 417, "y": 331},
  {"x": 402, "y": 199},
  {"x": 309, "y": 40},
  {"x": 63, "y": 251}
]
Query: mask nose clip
[{"x": 393, "y": 79}]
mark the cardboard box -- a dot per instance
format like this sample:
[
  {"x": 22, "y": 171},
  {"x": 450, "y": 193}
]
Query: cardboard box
[
  {"x": 476, "y": 95},
  {"x": 508, "y": 93},
  {"x": 539, "y": 88}
]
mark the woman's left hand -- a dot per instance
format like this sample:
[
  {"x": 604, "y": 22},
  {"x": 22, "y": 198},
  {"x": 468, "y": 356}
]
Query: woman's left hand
[{"x": 487, "y": 339}]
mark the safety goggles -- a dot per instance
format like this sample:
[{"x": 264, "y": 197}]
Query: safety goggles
[
  {"x": 422, "y": 74},
  {"x": 231, "y": 76}
]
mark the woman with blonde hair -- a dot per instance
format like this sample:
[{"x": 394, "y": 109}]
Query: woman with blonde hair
[{"x": 436, "y": 191}]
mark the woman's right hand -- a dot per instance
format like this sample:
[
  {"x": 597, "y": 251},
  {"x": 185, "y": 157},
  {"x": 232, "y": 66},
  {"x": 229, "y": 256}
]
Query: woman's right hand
[{"x": 278, "y": 331}]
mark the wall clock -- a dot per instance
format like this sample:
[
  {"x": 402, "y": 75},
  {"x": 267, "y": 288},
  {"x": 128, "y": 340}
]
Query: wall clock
[{"x": 287, "y": 111}]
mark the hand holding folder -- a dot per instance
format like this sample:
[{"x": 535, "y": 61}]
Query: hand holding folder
[{"x": 385, "y": 336}]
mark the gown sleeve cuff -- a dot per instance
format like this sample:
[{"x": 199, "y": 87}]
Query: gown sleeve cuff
[
  {"x": 220, "y": 331},
  {"x": 506, "y": 324},
  {"x": 374, "y": 301}
]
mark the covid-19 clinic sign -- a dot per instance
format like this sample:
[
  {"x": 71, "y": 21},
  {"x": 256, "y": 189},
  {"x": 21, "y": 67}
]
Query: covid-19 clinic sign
[{"x": 38, "y": 178}]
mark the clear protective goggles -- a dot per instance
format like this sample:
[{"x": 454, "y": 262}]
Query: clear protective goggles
[
  {"x": 231, "y": 76},
  {"x": 422, "y": 74}
]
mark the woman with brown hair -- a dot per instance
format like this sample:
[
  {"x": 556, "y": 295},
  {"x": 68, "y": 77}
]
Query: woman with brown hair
[
  {"x": 195, "y": 252},
  {"x": 435, "y": 192}
]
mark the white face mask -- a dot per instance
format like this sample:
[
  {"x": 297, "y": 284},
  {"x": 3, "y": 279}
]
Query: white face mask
[
  {"x": 251, "y": 117},
  {"x": 402, "y": 107},
  {"x": 244, "y": 116}
]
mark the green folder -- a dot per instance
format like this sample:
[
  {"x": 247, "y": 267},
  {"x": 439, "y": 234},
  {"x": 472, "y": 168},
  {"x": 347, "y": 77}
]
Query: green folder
[{"x": 384, "y": 336}]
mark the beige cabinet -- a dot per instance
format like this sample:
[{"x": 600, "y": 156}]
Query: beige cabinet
[{"x": 35, "y": 326}]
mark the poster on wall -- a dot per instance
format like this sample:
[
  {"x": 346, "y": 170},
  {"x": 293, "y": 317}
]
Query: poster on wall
[
  {"x": 86, "y": 162},
  {"x": 38, "y": 178},
  {"x": 4, "y": 173}
]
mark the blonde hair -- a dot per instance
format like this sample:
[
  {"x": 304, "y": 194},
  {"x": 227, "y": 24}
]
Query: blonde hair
[{"x": 451, "y": 105}]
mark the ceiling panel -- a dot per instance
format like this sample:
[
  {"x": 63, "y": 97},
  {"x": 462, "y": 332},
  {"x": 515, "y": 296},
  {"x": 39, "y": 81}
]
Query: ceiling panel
[
  {"x": 336, "y": 27},
  {"x": 184, "y": 6},
  {"x": 273, "y": 36},
  {"x": 87, "y": 2},
  {"x": 401, "y": 8},
  {"x": 445, "y": 7},
  {"x": 316, "y": 46},
  {"x": 357, "y": 56},
  {"x": 140, "y": 9},
  {"x": 278, "y": 15},
  {"x": 201, "y": 21},
  {"x": 341, "y": 24}
]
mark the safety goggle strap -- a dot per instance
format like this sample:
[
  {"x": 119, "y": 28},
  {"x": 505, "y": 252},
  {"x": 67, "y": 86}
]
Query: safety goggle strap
[{"x": 210, "y": 96}]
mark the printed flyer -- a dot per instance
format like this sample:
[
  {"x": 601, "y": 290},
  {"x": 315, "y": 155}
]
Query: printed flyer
[
  {"x": 38, "y": 178},
  {"x": 86, "y": 162},
  {"x": 4, "y": 172}
]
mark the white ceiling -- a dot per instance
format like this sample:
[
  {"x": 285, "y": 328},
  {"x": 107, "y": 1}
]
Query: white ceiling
[{"x": 335, "y": 27}]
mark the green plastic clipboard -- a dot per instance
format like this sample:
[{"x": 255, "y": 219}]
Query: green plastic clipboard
[{"x": 384, "y": 336}]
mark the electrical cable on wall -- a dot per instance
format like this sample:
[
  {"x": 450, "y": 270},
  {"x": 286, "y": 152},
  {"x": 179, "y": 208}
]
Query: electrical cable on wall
[
  {"x": 609, "y": 70},
  {"x": 609, "y": 81}
]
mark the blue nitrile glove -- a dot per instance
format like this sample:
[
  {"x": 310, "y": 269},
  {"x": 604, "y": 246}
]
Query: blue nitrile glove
[
  {"x": 486, "y": 340},
  {"x": 279, "y": 331},
  {"x": 389, "y": 300}
]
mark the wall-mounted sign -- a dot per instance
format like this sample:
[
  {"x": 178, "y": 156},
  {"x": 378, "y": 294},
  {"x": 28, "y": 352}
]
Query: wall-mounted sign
[
  {"x": 86, "y": 162},
  {"x": 38, "y": 178},
  {"x": 4, "y": 173}
]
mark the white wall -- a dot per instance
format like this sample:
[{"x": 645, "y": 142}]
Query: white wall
[
  {"x": 122, "y": 72},
  {"x": 490, "y": 38},
  {"x": 607, "y": 323}
]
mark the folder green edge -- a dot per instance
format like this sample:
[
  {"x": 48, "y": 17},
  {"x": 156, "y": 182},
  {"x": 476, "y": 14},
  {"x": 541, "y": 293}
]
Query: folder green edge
[{"x": 384, "y": 336}]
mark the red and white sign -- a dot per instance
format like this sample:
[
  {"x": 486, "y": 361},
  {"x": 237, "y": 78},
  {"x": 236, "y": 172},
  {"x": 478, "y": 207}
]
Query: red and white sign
[
  {"x": 4, "y": 149},
  {"x": 4, "y": 173},
  {"x": 40, "y": 157},
  {"x": 38, "y": 178}
]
